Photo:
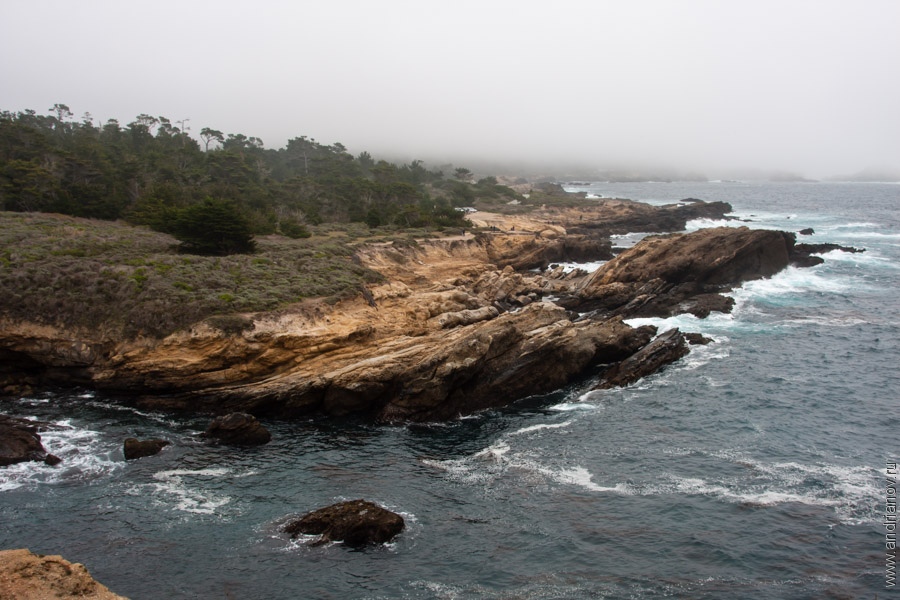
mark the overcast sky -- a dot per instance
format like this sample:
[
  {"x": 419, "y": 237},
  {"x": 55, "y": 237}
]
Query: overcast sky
[{"x": 810, "y": 86}]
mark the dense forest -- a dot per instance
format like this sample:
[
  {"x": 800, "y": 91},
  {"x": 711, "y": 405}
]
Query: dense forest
[{"x": 215, "y": 194}]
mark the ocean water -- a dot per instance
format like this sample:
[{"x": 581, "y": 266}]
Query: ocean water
[{"x": 753, "y": 468}]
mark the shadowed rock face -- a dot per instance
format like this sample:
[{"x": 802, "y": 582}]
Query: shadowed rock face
[
  {"x": 355, "y": 523},
  {"x": 664, "y": 350}
]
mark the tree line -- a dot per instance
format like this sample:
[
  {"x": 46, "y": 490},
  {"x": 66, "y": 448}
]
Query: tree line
[{"x": 215, "y": 194}]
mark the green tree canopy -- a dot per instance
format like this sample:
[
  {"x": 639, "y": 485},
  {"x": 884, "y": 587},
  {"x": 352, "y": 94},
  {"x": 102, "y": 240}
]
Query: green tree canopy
[{"x": 213, "y": 227}]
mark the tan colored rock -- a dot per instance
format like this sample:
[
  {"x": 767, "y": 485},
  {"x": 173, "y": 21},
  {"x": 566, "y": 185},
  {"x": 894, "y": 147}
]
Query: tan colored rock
[{"x": 28, "y": 576}]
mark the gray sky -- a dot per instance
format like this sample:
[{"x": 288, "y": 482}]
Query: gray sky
[{"x": 811, "y": 86}]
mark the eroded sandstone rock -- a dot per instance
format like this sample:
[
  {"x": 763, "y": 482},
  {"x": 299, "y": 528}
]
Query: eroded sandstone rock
[{"x": 28, "y": 576}]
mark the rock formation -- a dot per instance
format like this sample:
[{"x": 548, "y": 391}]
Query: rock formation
[
  {"x": 134, "y": 448},
  {"x": 804, "y": 255},
  {"x": 20, "y": 442},
  {"x": 456, "y": 329},
  {"x": 238, "y": 429},
  {"x": 665, "y": 349},
  {"x": 666, "y": 275},
  {"x": 28, "y": 576},
  {"x": 355, "y": 523}
]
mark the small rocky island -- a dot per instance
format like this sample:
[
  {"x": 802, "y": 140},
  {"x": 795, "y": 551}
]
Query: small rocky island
[{"x": 461, "y": 323}]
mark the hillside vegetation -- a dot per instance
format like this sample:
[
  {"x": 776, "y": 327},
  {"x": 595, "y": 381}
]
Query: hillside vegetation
[
  {"x": 115, "y": 279},
  {"x": 153, "y": 230}
]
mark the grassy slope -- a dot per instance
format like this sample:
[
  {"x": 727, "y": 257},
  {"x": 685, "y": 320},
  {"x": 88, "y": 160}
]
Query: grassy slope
[{"x": 114, "y": 279}]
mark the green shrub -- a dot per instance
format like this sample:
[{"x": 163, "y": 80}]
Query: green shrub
[{"x": 213, "y": 227}]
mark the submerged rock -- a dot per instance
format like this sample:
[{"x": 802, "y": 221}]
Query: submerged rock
[
  {"x": 238, "y": 429},
  {"x": 135, "y": 448},
  {"x": 355, "y": 523},
  {"x": 28, "y": 576}
]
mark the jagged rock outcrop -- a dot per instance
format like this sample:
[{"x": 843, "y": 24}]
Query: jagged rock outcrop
[
  {"x": 134, "y": 448},
  {"x": 715, "y": 256},
  {"x": 617, "y": 216},
  {"x": 21, "y": 442},
  {"x": 804, "y": 255},
  {"x": 28, "y": 576},
  {"x": 355, "y": 523},
  {"x": 539, "y": 254},
  {"x": 697, "y": 339},
  {"x": 439, "y": 376},
  {"x": 665, "y": 349},
  {"x": 238, "y": 429},
  {"x": 665, "y": 275}
]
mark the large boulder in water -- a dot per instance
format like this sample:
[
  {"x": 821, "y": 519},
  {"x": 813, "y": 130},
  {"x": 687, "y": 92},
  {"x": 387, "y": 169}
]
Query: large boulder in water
[
  {"x": 134, "y": 448},
  {"x": 20, "y": 442},
  {"x": 355, "y": 523},
  {"x": 238, "y": 429},
  {"x": 28, "y": 576}
]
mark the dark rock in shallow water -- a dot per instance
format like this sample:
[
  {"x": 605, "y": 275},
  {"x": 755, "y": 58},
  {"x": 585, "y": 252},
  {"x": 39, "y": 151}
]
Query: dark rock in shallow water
[
  {"x": 52, "y": 460},
  {"x": 702, "y": 305},
  {"x": 697, "y": 339},
  {"x": 238, "y": 429},
  {"x": 355, "y": 523},
  {"x": 807, "y": 231},
  {"x": 135, "y": 448},
  {"x": 665, "y": 349},
  {"x": 803, "y": 255},
  {"x": 20, "y": 442}
]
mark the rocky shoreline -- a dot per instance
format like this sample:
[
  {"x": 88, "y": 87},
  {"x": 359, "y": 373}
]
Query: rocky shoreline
[{"x": 462, "y": 324}]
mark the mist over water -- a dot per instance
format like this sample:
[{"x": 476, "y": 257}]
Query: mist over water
[{"x": 752, "y": 468}]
